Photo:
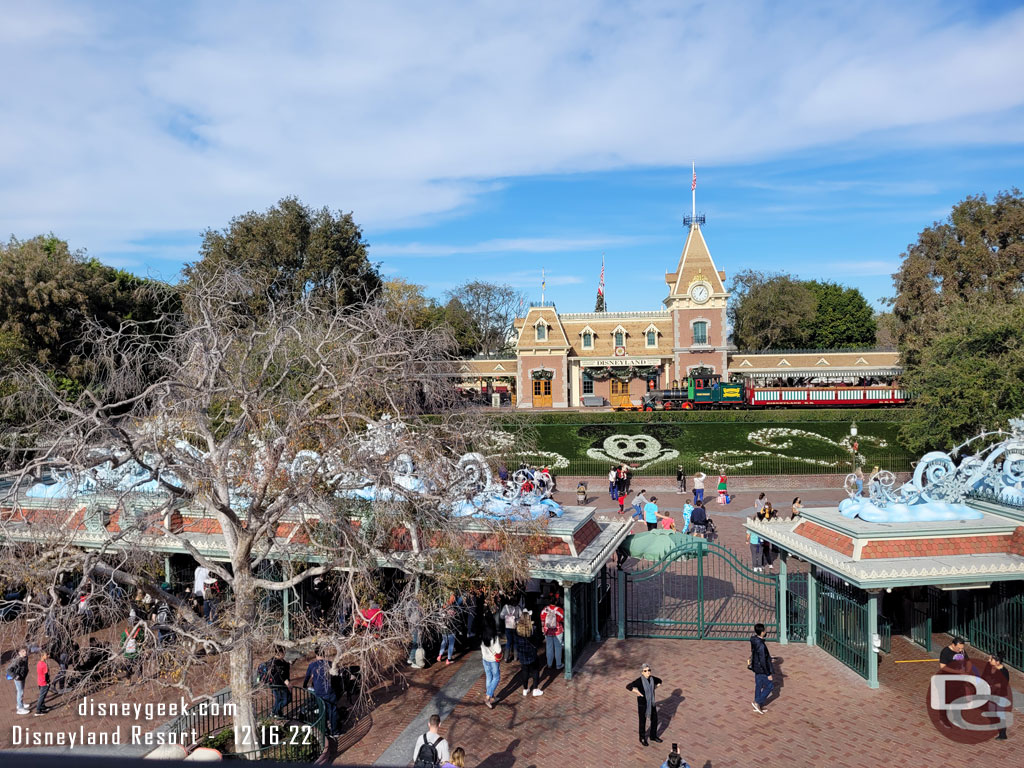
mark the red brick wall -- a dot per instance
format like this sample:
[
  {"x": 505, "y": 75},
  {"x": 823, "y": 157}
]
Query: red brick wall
[
  {"x": 586, "y": 534},
  {"x": 1017, "y": 542},
  {"x": 939, "y": 547},
  {"x": 825, "y": 537}
]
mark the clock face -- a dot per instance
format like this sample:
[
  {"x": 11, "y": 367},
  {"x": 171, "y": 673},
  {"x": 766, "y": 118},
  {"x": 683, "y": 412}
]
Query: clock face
[{"x": 699, "y": 293}]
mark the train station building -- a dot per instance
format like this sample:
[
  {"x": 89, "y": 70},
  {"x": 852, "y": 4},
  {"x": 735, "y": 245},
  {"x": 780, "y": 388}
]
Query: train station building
[{"x": 575, "y": 359}]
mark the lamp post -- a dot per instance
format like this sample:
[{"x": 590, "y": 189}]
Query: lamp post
[{"x": 853, "y": 443}]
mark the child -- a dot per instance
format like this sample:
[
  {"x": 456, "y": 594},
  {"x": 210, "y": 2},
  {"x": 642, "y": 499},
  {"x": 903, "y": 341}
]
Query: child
[
  {"x": 638, "y": 503},
  {"x": 687, "y": 514},
  {"x": 666, "y": 522},
  {"x": 723, "y": 492}
]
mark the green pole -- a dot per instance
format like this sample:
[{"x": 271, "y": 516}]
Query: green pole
[
  {"x": 567, "y": 637},
  {"x": 872, "y": 631},
  {"x": 620, "y": 577},
  {"x": 286, "y": 619},
  {"x": 167, "y": 570},
  {"x": 595, "y": 610},
  {"x": 812, "y": 608},
  {"x": 781, "y": 603},
  {"x": 700, "y": 587}
]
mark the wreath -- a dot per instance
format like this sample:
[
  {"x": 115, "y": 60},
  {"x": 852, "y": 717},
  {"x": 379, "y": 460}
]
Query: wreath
[
  {"x": 543, "y": 375},
  {"x": 622, "y": 373}
]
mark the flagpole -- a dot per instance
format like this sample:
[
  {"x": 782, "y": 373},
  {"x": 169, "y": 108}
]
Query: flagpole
[
  {"x": 543, "y": 283},
  {"x": 693, "y": 192}
]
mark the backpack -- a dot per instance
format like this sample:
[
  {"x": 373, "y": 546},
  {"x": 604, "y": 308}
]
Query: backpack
[
  {"x": 131, "y": 645},
  {"x": 427, "y": 757},
  {"x": 263, "y": 673},
  {"x": 551, "y": 623}
]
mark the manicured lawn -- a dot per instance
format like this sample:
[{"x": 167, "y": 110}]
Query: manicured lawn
[{"x": 737, "y": 448}]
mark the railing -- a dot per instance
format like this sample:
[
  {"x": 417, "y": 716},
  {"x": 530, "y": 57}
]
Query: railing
[
  {"x": 843, "y": 623},
  {"x": 885, "y": 634},
  {"x": 302, "y": 738},
  {"x": 817, "y": 464},
  {"x": 921, "y": 627},
  {"x": 796, "y": 607},
  {"x": 993, "y": 620}
]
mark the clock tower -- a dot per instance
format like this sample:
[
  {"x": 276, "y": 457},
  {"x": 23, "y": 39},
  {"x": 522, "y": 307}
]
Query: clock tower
[{"x": 696, "y": 301}]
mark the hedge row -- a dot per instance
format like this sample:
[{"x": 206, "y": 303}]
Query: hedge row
[{"x": 786, "y": 416}]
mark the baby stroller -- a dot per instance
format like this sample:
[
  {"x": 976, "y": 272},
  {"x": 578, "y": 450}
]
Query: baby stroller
[
  {"x": 581, "y": 493},
  {"x": 707, "y": 531}
]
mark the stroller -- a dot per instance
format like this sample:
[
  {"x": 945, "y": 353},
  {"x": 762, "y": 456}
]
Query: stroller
[
  {"x": 581, "y": 493},
  {"x": 707, "y": 531}
]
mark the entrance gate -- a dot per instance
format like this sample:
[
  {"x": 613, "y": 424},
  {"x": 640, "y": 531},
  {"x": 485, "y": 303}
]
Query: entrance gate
[{"x": 700, "y": 591}]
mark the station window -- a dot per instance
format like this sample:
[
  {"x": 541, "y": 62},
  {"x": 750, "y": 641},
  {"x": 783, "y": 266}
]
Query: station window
[
  {"x": 588, "y": 340},
  {"x": 652, "y": 339},
  {"x": 588, "y": 384},
  {"x": 700, "y": 333},
  {"x": 542, "y": 332},
  {"x": 620, "y": 339}
]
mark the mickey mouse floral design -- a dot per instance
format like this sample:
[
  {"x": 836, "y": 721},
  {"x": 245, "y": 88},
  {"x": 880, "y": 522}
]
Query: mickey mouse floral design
[{"x": 639, "y": 450}]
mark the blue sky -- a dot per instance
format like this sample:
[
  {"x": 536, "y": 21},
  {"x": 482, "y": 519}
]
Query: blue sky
[{"x": 490, "y": 140}]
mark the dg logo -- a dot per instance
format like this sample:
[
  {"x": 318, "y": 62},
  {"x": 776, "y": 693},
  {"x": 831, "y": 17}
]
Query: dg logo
[{"x": 972, "y": 707}]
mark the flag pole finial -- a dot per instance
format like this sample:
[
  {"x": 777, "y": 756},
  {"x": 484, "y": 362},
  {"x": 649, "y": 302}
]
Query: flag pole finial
[{"x": 693, "y": 192}]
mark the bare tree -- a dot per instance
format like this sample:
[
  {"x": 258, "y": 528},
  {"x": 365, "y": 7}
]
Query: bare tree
[
  {"x": 491, "y": 309},
  {"x": 315, "y": 441}
]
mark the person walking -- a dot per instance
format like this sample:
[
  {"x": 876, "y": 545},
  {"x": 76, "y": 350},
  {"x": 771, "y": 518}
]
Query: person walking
[
  {"x": 318, "y": 680},
  {"x": 511, "y": 611},
  {"x": 700, "y": 520},
  {"x": 698, "y": 487},
  {"x": 756, "y": 551},
  {"x": 761, "y": 666},
  {"x": 527, "y": 654},
  {"x": 613, "y": 490},
  {"x": 430, "y": 750},
  {"x": 680, "y": 479},
  {"x": 651, "y": 513},
  {"x": 638, "y": 503},
  {"x": 761, "y": 505},
  {"x": 490, "y": 654},
  {"x": 687, "y": 516},
  {"x": 457, "y": 760},
  {"x": 1001, "y": 675},
  {"x": 552, "y": 619},
  {"x": 646, "y": 707},
  {"x": 278, "y": 676},
  {"x": 43, "y": 679},
  {"x": 451, "y": 613},
  {"x": 627, "y": 475},
  {"x": 18, "y": 672}
]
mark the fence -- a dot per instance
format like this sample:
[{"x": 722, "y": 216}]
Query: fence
[
  {"x": 843, "y": 623},
  {"x": 993, "y": 620},
  {"x": 817, "y": 464},
  {"x": 796, "y": 607},
  {"x": 302, "y": 739}
]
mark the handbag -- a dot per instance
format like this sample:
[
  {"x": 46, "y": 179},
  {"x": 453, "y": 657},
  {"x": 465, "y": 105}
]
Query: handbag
[
  {"x": 497, "y": 656},
  {"x": 750, "y": 663}
]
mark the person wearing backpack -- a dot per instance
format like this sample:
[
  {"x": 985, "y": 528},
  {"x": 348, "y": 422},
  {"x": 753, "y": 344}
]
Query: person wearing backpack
[
  {"x": 18, "y": 672},
  {"x": 527, "y": 655},
  {"x": 277, "y": 674},
  {"x": 131, "y": 643},
  {"x": 430, "y": 749},
  {"x": 552, "y": 620},
  {"x": 509, "y": 617}
]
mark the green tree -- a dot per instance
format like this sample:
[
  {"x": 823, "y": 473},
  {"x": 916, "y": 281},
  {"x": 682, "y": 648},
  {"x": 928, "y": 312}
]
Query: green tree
[
  {"x": 976, "y": 253},
  {"x": 289, "y": 251},
  {"x": 842, "y": 318},
  {"x": 48, "y": 293},
  {"x": 770, "y": 311},
  {"x": 969, "y": 376}
]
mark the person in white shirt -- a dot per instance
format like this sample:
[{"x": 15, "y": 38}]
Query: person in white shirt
[
  {"x": 698, "y": 487},
  {"x": 613, "y": 489},
  {"x": 509, "y": 617},
  {"x": 435, "y": 739}
]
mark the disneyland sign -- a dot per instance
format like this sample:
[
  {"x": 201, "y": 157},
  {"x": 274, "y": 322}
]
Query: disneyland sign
[{"x": 614, "y": 362}]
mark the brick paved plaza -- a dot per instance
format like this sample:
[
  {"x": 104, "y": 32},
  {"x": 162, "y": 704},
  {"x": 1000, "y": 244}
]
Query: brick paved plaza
[{"x": 823, "y": 714}]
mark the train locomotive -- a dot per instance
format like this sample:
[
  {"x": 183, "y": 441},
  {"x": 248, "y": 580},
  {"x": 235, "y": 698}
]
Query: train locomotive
[{"x": 705, "y": 390}]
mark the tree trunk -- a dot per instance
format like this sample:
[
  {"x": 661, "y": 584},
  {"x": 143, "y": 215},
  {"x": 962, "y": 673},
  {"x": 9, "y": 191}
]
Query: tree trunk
[{"x": 241, "y": 657}]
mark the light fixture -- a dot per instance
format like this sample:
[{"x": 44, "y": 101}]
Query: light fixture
[{"x": 853, "y": 429}]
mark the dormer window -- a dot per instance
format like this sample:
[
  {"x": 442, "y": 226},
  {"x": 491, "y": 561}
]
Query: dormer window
[
  {"x": 620, "y": 339},
  {"x": 588, "y": 340},
  {"x": 651, "y": 336},
  {"x": 542, "y": 332}
]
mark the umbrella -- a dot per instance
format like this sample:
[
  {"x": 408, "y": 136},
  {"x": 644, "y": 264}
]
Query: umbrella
[{"x": 656, "y": 544}]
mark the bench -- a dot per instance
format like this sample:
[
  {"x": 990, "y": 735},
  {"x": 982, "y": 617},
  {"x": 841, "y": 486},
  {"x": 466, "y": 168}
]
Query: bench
[{"x": 592, "y": 401}]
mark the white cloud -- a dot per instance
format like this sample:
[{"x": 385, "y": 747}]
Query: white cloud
[{"x": 123, "y": 121}]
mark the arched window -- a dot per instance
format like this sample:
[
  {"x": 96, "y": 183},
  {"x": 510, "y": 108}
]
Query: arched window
[
  {"x": 620, "y": 339},
  {"x": 700, "y": 332},
  {"x": 652, "y": 339},
  {"x": 542, "y": 332},
  {"x": 588, "y": 340}
]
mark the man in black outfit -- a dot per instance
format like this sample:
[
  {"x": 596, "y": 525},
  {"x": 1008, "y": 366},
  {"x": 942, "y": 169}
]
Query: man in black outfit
[
  {"x": 761, "y": 666},
  {"x": 646, "y": 709}
]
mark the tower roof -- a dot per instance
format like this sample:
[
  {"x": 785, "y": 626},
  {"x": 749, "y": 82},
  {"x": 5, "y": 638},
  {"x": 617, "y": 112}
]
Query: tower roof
[{"x": 695, "y": 264}]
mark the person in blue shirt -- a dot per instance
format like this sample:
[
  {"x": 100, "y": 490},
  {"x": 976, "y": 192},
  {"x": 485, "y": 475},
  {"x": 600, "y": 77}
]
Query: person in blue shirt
[
  {"x": 318, "y": 680},
  {"x": 651, "y": 513},
  {"x": 687, "y": 514}
]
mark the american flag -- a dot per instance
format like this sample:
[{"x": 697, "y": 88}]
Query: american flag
[
  {"x": 600, "y": 286},
  {"x": 693, "y": 184}
]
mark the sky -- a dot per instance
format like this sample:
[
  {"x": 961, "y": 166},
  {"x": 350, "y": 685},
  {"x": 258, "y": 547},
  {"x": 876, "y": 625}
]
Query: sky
[{"x": 493, "y": 140}]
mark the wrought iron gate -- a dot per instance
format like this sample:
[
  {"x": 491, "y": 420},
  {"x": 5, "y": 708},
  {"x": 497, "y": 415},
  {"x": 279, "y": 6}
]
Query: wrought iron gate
[
  {"x": 796, "y": 607},
  {"x": 700, "y": 591},
  {"x": 843, "y": 622},
  {"x": 992, "y": 620}
]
